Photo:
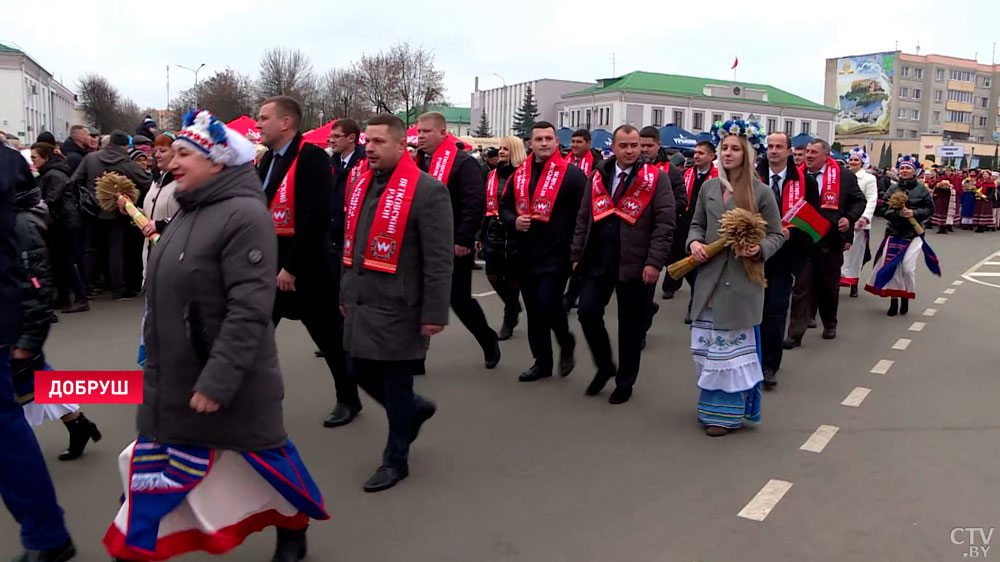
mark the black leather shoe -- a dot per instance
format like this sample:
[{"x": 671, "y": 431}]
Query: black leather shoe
[
  {"x": 492, "y": 355},
  {"x": 342, "y": 414},
  {"x": 770, "y": 379},
  {"x": 904, "y": 306},
  {"x": 318, "y": 353},
  {"x": 291, "y": 545},
  {"x": 600, "y": 380},
  {"x": 81, "y": 431},
  {"x": 812, "y": 323},
  {"x": 620, "y": 395},
  {"x": 423, "y": 413},
  {"x": 893, "y": 307},
  {"x": 789, "y": 343},
  {"x": 566, "y": 359},
  {"x": 829, "y": 333},
  {"x": 534, "y": 373},
  {"x": 60, "y": 553},
  {"x": 384, "y": 478},
  {"x": 854, "y": 291},
  {"x": 667, "y": 295}
]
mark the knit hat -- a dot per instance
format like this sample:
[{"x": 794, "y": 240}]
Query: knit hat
[
  {"x": 910, "y": 161},
  {"x": 119, "y": 137},
  {"x": 136, "y": 154},
  {"x": 859, "y": 152},
  {"x": 214, "y": 140},
  {"x": 148, "y": 121},
  {"x": 46, "y": 137}
]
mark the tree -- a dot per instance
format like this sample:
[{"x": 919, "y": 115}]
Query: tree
[
  {"x": 104, "y": 106},
  {"x": 417, "y": 83},
  {"x": 483, "y": 128},
  {"x": 377, "y": 75},
  {"x": 227, "y": 94},
  {"x": 288, "y": 72},
  {"x": 340, "y": 95},
  {"x": 526, "y": 116}
]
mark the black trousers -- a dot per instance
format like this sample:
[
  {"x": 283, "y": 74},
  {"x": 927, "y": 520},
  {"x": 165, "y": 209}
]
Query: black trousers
[
  {"x": 65, "y": 247},
  {"x": 781, "y": 271},
  {"x": 542, "y": 296},
  {"x": 319, "y": 310},
  {"x": 819, "y": 287},
  {"x": 390, "y": 383},
  {"x": 105, "y": 253},
  {"x": 466, "y": 307},
  {"x": 573, "y": 289},
  {"x": 634, "y": 306}
]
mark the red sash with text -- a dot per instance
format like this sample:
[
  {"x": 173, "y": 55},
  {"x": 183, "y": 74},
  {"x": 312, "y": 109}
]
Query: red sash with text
[
  {"x": 689, "y": 177},
  {"x": 829, "y": 194},
  {"x": 631, "y": 206},
  {"x": 585, "y": 164},
  {"x": 359, "y": 167},
  {"x": 553, "y": 174},
  {"x": 283, "y": 204},
  {"x": 389, "y": 225},
  {"x": 665, "y": 166},
  {"x": 492, "y": 197},
  {"x": 443, "y": 159}
]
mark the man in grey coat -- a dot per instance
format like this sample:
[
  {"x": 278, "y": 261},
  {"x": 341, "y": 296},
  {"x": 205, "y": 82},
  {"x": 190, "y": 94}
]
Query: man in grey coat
[
  {"x": 621, "y": 252},
  {"x": 390, "y": 317}
]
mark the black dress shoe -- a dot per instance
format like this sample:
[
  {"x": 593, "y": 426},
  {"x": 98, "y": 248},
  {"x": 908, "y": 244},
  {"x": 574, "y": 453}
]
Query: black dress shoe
[
  {"x": 829, "y": 333},
  {"x": 534, "y": 373},
  {"x": 566, "y": 359},
  {"x": 424, "y": 412},
  {"x": 318, "y": 353},
  {"x": 342, "y": 414},
  {"x": 812, "y": 323},
  {"x": 492, "y": 355},
  {"x": 384, "y": 478},
  {"x": 854, "y": 291},
  {"x": 60, "y": 553},
  {"x": 291, "y": 546},
  {"x": 81, "y": 431},
  {"x": 600, "y": 380},
  {"x": 620, "y": 395},
  {"x": 789, "y": 343},
  {"x": 770, "y": 379},
  {"x": 667, "y": 295}
]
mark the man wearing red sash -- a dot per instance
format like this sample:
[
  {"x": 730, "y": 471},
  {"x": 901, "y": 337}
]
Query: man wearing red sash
[
  {"x": 299, "y": 190},
  {"x": 622, "y": 241},
  {"x": 841, "y": 202},
  {"x": 539, "y": 206},
  {"x": 587, "y": 159},
  {"x": 398, "y": 260},
  {"x": 702, "y": 171},
  {"x": 453, "y": 167}
]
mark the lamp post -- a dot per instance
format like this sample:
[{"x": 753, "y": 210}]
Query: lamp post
[
  {"x": 195, "y": 71},
  {"x": 503, "y": 102}
]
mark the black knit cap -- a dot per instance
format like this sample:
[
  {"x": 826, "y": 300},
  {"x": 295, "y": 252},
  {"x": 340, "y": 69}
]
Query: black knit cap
[{"x": 119, "y": 137}]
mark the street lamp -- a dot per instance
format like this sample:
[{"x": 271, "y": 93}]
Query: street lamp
[
  {"x": 195, "y": 71},
  {"x": 503, "y": 114}
]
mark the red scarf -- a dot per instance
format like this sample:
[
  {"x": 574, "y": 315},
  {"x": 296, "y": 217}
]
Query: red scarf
[
  {"x": 385, "y": 239},
  {"x": 689, "y": 176},
  {"x": 829, "y": 195},
  {"x": 443, "y": 159},
  {"x": 359, "y": 167},
  {"x": 492, "y": 199},
  {"x": 792, "y": 192},
  {"x": 631, "y": 206},
  {"x": 585, "y": 164},
  {"x": 553, "y": 174},
  {"x": 283, "y": 204}
]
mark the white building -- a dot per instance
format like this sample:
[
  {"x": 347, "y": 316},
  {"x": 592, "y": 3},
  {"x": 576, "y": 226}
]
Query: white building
[
  {"x": 31, "y": 99},
  {"x": 500, "y": 104}
]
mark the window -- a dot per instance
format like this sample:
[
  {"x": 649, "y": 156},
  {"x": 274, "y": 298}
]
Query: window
[
  {"x": 901, "y": 113},
  {"x": 964, "y": 97},
  {"x": 984, "y": 102},
  {"x": 789, "y": 127},
  {"x": 698, "y": 119},
  {"x": 899, "y": 133},
  {"x": 938, "y": 95},
  {"x": 998, "y": 120},
  {"x": 912, "y": 134},
  {"x": 772, "y": 124},
  {"x": 915, "y": 114},
  {"x": 916, "y": 93},
  {"x": 562, "y": 118},
  {"x": 679, "y": 118},
  {"x": 959, "y": 117},
  {"x": 987, "y": 82},
  {"x": 805, "y": 126},
  {"x": 939, "y": 74},
  {"x": 982, "y": 121},
  {"x": 906, "y": 71},
  {"x": 918, "y": 73},
  {"x": 904, "y": 92},
  {"x": 962, "y": 76},
  {"x": 736, "y": 116},
  {"x": 657, "y": 117},
  {"x": 937, "y": 116},
  {"x": 716, "y": 117}
]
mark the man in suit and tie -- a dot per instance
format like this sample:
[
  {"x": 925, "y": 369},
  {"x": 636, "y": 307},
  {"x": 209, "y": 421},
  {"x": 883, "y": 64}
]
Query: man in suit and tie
[
  {"x": 298, "y": 185},
  {"x": 621, "y": 242}
]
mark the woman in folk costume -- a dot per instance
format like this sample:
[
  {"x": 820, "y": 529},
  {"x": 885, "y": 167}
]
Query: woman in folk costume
[
  {"x": 212, "y": 463},
  {"x": 985, "y": 218},
  {"x": 895, "y": 274},
  {"x": 970, "y": 195},
  {"x": 945, "y": 201},
  {"x": 728, "y": 301},
  {"x": 860, "y": 252}
]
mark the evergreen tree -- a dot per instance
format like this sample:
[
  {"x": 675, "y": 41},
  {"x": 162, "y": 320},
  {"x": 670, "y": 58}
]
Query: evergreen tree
[
  {"x": 526, "y": 116},
  {"x": 483, "y": 128}
]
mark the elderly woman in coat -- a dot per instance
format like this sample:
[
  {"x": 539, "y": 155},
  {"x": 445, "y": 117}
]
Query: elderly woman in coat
[
  {"x": 860, "y": 252},
  {"x": 728, "y": 301},
  {"x": 212, "y": 463}
]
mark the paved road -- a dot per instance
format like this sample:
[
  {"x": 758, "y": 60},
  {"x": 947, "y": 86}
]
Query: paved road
[{"x": 509, "y": 471}]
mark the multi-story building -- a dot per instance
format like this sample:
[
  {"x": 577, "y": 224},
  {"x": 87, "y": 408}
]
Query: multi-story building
[
  {"x": 500, "y": 104},
  {"x": 457, "y": 119},
  {"x": 31, "y": 99},
  {"x": 648, "y": 98},
  {"x": 916, "y": 103}
]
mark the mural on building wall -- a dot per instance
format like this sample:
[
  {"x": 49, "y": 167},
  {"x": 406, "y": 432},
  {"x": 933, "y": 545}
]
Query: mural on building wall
[{"x": 864, "y": 94}]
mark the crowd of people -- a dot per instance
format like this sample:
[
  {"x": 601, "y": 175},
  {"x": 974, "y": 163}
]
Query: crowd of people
[{"x": 369, "y": 245}]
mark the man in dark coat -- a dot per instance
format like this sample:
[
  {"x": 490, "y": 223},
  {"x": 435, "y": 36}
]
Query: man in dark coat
[
  {"x": 622, "y": 241},
  {"x": 460, "y": 172},
  {"x": 76, "y": 146},
  {"x": 544, "y": 227},
  {"x": 820, "y": 280},
  {"x": 301, "y": 202},
  {"x": 396, "y": 285},
  {"x": 582, "y": 155},
  {"x": 24, "y": 480},
  {"x": 692, "y": 178},
  {"x": 147, "y": 128}
]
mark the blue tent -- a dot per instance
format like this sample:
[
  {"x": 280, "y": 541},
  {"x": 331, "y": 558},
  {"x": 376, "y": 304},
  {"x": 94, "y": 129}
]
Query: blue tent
[
  {"x": 704, "y": 137},
  {"x": 800, "y": 140},
  {"x": 565, "y": 135},
  {"x": 600, "y": 139},
  {"x": 672, "y": 136}
]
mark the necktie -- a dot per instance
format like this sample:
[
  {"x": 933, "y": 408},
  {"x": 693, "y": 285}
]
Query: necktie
[
  {"x": 621, "y": 183},
  {"x": 776, "y": 187}
]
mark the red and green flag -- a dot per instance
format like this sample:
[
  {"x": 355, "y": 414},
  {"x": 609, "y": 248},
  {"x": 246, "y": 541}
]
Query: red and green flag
[{"x": 806, "y": 218}]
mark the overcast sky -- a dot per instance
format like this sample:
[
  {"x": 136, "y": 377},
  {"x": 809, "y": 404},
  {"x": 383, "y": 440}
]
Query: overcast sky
[{"x": 783, "y": 44}]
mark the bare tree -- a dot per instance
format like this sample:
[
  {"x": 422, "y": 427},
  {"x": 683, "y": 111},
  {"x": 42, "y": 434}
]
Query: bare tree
[
  {"x": 417, "y": 84},
  {"x": 99, "y": 100},
  {"x": 341, "y": 95},
  {"x": 227, "y": 94},
  {"x": 377, "y": 75},
  {"x": 285, "y": 72}
]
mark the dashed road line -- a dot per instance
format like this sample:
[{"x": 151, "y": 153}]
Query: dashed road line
[
  {"x": 882, "y": 367},
  {"x": 819, "y": 439},
  {"x": 957, "y": 283},
  {"x": 856, "y": 397},
  {"x": 949, "y": 291},
  {"x": 930, "y": 312},
  {"x": 940, "y": 300},
  {"x": 901, "y": 344},
  {"x": 765, "y": 500},
  {"x": 917, "y": 326}
]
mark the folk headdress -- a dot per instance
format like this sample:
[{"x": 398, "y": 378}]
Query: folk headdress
[
  {"x": 860, "y": 154},
  {"x": 754, "y": 133},
  {"x": 211, "y": 137}
]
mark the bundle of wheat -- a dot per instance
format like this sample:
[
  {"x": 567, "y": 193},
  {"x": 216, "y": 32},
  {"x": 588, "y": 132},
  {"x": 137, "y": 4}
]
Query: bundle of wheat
[
  {"x": 898, "y": 201},
  {"x": 738, "y": 228},
  {"x": 114, "y": 188}
]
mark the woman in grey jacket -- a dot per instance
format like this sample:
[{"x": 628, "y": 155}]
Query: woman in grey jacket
[
  {"x": 212, "y": 463},
  {"x": 728, "y": 301}
]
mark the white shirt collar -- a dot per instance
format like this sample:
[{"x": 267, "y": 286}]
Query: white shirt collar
[
  {"x": 782, "y": 174},
  {"x": 347, "y": 159}
]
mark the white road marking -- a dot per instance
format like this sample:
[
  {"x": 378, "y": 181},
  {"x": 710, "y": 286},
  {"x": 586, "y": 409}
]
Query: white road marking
[
  {"x": 882, "y": 367},
  {"x": 856, "y": 397},
  {"x": 486, "y": 294},
  {"x": 983, "y": 274},
  {"x": 949, "y": 291},
  {"x": 819, "y": 439},
  {"x": 765, "y": 500},
  {"x": 957, "y": 283},
  {"x": 991, "y": 263},
  {"x": 901, "y": 344},
  {"x": 917, "y": 326},
  {"x": 940, "y": 300},
  {"x": 973, "y": 272},
  {"x": 930, "y": 312}
]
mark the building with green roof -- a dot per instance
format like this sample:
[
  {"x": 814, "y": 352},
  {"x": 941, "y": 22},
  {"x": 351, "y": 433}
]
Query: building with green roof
[
  {"x": 31, "y": 99},
  {"x": 457, "y": 119},
  {"x": 650, "y": 98}
]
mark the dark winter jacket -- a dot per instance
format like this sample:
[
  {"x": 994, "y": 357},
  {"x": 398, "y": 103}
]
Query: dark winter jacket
[
  {"x": 59, "y": 195},
  {"x": 36, "y": 275},
  {"x": 676, "y": 174},
  {"x": 15, "y": 176},
  {"x": 497, "y": 242},
  {"x": 341, "y": 175},
  {"x": 143, "y": 131},
  {"x": 209, "y": 294},
  {"x": 74, "y": 154},
  {"x": 111, "y": 158},
  {"x": 468, "y": 196},
  {"x": 611, "y": 245},
  {"x": 920, "y": 201},
  {"x": 851, "y": 206}
]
